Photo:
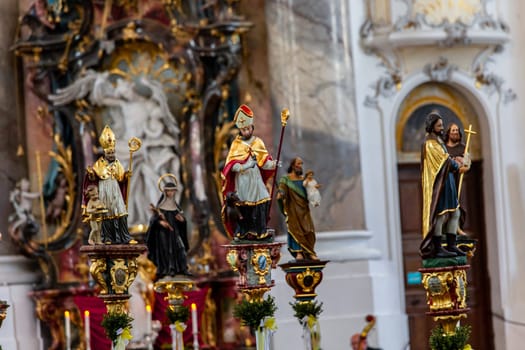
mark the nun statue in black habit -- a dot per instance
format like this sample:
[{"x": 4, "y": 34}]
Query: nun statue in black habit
[{"x": 167, "y": 237}]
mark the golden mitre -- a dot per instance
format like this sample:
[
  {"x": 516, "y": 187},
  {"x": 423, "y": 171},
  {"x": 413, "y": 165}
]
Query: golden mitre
[
  {"x": 243, "y": 117},
  {"x": 107, "y": 139}
]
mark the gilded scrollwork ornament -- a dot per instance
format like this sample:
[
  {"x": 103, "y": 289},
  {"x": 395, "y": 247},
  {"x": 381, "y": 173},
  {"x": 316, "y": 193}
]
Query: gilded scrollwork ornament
[{"x": 98, "y": 271}]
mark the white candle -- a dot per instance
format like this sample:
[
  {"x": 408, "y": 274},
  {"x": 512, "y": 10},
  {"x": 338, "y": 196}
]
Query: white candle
[
  {"x": 195, "y": 326},
  {"x": 67, "y": 321},
  {"x": 87, "y": 330},
  {"x": 173, "y": 337},
  {"x": 148, "y": 319}
]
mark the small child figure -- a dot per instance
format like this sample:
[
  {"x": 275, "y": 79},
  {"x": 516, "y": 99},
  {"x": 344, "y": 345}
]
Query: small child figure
[
  {"x": 312, "y": 189},
  {"x": 93, "y": 213}
]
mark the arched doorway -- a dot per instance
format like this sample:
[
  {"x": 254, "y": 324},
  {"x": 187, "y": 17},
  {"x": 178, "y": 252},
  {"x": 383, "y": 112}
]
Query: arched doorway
[{"x": 454, "y": 107}]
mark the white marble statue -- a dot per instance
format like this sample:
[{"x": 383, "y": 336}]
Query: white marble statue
[
  {"x": 140, "y": 109},
  {"x": 22, "y": 200}
]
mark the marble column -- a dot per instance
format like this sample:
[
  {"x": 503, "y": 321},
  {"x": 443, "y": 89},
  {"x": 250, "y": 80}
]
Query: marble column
[
  {"x": 20, "y": 329},
  {"x": 12, "y": 167},
  {"x": 312, "y": 74}
]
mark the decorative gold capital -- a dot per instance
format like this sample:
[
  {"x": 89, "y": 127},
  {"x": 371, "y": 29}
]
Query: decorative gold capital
[
  {"x": 116, "y": 306},
  {"x": 254, "y": 294},
  {"x": 449, "y": 322},
  {"x": 174, "y": 289}
]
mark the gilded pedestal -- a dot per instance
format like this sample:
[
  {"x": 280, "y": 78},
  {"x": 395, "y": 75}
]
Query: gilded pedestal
[
  {"x": 304, "y": 276},
  {"x": 114, "y": 268},
  {"x": 254, "y": 263},
  {"x": 446, "y": 289}
]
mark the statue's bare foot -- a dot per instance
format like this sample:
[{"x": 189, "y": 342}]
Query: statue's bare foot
[
  {"x": 299, "y": 256},
  {"x": 313, "y": 257}
]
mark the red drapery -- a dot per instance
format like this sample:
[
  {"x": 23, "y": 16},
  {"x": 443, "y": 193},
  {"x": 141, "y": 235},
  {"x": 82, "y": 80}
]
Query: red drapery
[{"x": 97, "y": 309}]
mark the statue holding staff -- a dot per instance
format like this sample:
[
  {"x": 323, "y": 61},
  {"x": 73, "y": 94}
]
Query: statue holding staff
[
  {"x": 247, "y": 171},
  {"x": 441, "y": 212},
  {"x": 108, "y": 174}
]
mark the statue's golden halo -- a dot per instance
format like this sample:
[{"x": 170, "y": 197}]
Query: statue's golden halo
[{"x": 163, "y": 176}]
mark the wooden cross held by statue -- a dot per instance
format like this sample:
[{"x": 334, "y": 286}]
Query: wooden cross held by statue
[{"x": 468, "y": 132}]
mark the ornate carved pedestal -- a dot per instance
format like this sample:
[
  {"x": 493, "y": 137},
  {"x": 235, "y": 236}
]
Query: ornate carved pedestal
[
  {"x": 175, "y": 287},
  {"x": 254, "y": 262},
  {"x": 304, "y": 276},
  {"x": 446, "y": 289},
  {"x": 114, "y": 268}
]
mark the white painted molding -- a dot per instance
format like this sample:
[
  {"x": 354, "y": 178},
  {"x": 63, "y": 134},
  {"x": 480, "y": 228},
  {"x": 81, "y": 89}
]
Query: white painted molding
[
  {"x": 17, "y": 269},
  {"x": 432, "y": 37},
  {"x": 340, "y": 246}
]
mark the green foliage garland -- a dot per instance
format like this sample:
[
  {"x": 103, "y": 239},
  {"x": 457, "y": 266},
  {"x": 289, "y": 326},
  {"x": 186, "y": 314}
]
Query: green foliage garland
[
  {"x": 251, "y": 313},
  {"x": 114, "y": 321},
  {"x": 440, "y": 341},
  {"x": 306, "y": 308},
  {"x": 178, "y": 313}
]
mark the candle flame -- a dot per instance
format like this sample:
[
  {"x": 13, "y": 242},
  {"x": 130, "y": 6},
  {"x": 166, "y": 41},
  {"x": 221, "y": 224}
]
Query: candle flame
[
  {"x": 148, "y": 308},
  {"x": 193, "y": 306},
  {"x": 86, "y": 313},
  {"x": 66, "y": 313}
]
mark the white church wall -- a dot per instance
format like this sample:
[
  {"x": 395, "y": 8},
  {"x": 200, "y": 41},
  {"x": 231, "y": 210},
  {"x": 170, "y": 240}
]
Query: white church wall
[
  {"x": 504, "y": 176},
  {"x": 21, "y": 328},
  {"x": 350, "y": 290},
  {"x": 508, "y": 301}
]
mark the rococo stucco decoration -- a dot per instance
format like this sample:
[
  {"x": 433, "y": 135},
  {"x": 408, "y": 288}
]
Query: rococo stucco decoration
[
  {"x": 436, "y": 23},
  {"x": 441, "y": 70},
  {"x": 435, "y": 14},
  {"x": 437, "y": 11}
]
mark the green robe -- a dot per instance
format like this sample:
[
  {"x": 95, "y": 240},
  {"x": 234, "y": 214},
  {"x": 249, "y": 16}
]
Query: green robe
[{"x": 294, "y": 206}]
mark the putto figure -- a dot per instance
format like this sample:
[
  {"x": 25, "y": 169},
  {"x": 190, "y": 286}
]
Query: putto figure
[
  {"x": 312, "y": 189},
  {"x": 440, "y": 195},
  {"x": 112, "y": 182},
  {"x": 93, "y": 213},
  {"x": 294, "y": 205},
  {"x": 167, "y": 237},
  {"x": 247, "y": 171}
]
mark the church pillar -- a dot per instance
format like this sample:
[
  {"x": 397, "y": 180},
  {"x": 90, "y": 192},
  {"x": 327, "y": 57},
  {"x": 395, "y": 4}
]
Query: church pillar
[
  {"x": 12, "y": 167},
  {"x": 20, "y": 329},
  {"x": 312, "y": 46}
]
